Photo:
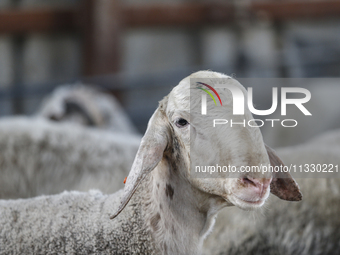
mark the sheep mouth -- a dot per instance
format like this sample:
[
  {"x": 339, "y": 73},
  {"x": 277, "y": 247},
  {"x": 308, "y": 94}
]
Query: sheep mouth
[
  {"x": 258, "y": 201},
  {"x": 248, "y": 204}
]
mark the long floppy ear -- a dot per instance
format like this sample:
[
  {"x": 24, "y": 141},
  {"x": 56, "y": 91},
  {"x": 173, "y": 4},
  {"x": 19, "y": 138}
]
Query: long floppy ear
[
  {"x": 283, "y": 185},
  {"x": 149, "y": 154}
]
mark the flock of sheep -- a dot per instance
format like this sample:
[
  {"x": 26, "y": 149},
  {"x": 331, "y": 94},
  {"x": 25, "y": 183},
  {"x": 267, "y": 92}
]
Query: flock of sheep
[{"x": 81, "y": 140}]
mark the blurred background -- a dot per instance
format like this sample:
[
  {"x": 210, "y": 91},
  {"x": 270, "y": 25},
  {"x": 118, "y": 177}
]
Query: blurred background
[{"x": 138, "y": 50}]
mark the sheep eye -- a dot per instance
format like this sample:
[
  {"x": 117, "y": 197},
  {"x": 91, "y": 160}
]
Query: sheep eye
[{"x": 181, "y": 123}]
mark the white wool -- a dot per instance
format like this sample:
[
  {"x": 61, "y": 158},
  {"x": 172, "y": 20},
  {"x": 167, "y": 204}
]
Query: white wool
[{"x": 39, "y": 157}]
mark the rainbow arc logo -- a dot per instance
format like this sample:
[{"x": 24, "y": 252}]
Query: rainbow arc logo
[
  {"x": 209, "y": 93},
  {"x": 204, "y": 96}
]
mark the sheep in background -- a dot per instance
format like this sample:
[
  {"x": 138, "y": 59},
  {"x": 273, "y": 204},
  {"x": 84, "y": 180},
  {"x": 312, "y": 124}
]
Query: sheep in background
[
  {"x": 38, "y": 157},
  {"x": 170, "y": 212},
  {"x": 309, "y": 227},
  {"x": 42, "y": 157},
  {"x": 86, "y": 106},
  {"x": 330, "y": 140}
]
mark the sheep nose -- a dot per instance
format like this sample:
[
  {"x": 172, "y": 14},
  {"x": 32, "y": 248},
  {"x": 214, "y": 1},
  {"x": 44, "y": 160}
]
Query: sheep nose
[{"x": 258, "y": 184}]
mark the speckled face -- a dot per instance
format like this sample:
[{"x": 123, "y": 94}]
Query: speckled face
[{"x": 221, "y": 145}]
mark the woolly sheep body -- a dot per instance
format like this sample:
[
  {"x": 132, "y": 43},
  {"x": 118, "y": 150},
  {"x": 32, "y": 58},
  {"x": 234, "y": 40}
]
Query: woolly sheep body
[
  {"x": 39, "y": 157},
  {"x": 309, "y": 227},
  {"x": 72, "y": 223}
]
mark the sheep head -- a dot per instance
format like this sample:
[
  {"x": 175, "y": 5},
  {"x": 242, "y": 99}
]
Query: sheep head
[
  {"x": 179, "y": 127},
  {"x": 73, "y": 104}
]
